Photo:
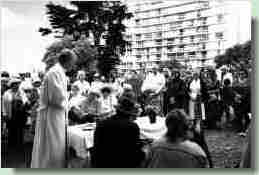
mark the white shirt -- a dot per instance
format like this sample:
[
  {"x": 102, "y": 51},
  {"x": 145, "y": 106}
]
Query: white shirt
[
  {"x": 151, "y": 131},
  {"x": 97, "y": 85},
  {"x": 229, "y": 76},
  {"x": 83, "y": 86},
  {"x": 195, "y": 88},
  {"x": 108, "y": 104},
  {"x": 153, "y": 82}
]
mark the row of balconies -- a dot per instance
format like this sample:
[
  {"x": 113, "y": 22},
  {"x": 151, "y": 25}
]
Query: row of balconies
[
  {"x": 177, "y": 10},
  {"x": 160, "y": 44},
  {"x": 170, "y": 34}
]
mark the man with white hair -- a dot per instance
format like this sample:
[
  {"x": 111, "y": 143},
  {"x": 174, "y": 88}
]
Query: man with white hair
[{"x": 49, "y": 148}]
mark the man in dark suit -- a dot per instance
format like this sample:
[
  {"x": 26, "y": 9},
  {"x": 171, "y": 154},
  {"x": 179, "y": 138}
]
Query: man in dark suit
[{"x": 116, "y": 140}]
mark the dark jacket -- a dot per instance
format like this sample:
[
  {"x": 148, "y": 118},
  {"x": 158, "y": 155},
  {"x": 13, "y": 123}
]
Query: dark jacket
[
  {"x": 116, "y": 144},
  {"x": 176, "y": 88}
]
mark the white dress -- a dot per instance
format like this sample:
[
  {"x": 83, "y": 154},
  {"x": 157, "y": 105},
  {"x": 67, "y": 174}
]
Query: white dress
[
  {"x": 195, "y": 88},
  {"x": 83, "y": 86},
  {"x": 49, "y": 140}
]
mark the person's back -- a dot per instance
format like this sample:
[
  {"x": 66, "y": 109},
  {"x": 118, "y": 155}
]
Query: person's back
[
  {"x": 186, "y": 154},
  {"x": 227, "y": 95},
  {"x": 116, "y": 144}
]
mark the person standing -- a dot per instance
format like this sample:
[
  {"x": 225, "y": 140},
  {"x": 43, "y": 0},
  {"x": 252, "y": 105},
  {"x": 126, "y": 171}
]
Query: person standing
[
  {"x": 49, "y": 148},
  {"x": 14, "y": 107},
  {"x": 176, "y": 93},
  {"x": 197, "y": 95}
]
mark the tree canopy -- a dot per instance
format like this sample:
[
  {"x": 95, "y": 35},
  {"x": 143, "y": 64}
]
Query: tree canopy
[
  {"x": 99, "y": 20},
  {"x": 239, "y": 57}
]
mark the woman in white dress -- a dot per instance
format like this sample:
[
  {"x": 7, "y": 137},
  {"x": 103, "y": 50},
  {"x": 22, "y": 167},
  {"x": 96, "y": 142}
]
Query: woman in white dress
[
  {"x": 83, "y": 85},
  {"x": 49, "y": 148}
]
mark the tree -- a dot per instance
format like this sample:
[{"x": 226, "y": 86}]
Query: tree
[
  {"x": 102, "y": 20},
  {"x": 83, "y": 49},
  {"x": 238, "y": 57},
  {"x": 171, "y": 64}
]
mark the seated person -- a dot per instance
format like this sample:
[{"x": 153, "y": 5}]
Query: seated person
[
  {"x": 108, "y": 102},
  {"x": 91, "y": 107},
  {"x": 174, "y": 150},
  {"x": 74, "y": 104},
  {"x": 151, "y": 126}
]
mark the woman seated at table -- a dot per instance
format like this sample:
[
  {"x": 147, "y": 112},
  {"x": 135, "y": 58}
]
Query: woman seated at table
[
  {"x": 108, "y": 102},
  {"x": 91, "y": 107},
  {"x": 74, "y": 104}
]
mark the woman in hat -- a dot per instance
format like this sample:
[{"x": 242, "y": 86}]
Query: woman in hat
[
  {"x": 74, "y": 105},
  {"x": 14, "y": 111},
  {"x": 50, "y": 141},
  {"x": 108, "y": 102},
  {"x": 91, "y": 106},
  {"x": 116, "y": 139},
  {"x": 83, "y": 85}
]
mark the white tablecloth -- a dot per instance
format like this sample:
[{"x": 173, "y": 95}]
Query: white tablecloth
[{"x": 80, "y": 138}]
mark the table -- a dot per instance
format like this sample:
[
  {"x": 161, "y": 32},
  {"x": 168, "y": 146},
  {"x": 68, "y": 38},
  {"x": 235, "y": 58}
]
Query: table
[{"x": 81, "y": 138}]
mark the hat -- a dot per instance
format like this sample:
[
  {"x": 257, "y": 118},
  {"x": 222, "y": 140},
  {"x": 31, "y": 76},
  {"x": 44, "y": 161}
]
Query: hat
[
  {"x": 127, "y": 87},
  {"x": 96, "y": 75},
  {"x": 36, "y": 80},
  {"x": 107, "y": 89},
  {"x": 95, "y": 92},
  {"x": 14, "y": 80},
  {"x": 127, "y": 104}
]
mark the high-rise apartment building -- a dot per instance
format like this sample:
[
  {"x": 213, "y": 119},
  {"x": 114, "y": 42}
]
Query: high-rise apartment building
[{"x": 192, "y": 32}]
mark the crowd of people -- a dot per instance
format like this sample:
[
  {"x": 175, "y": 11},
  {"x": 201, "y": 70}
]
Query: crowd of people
[{"x": 144, "y": 119}]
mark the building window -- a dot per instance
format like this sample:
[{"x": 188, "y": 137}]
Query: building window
[
  {"x": 204, "y": 37},
  {"x": 159, "y": 49},
  {"x": 170, "y": 49},
  {"x": 204, "y": 54},
  {"x": 205, "y": 4},
  {"x": 159, "y": 34},
  {"x": 170, "y": 41},
  {"x": 198, "y": 29},
  {"x": 138, "y": 36},
  {"x": 192, "y": 22},
  {"x": 158, "y": 42},
  {"x": 181, "y": 48},
  {"x": 180, "y": 55},
  {"x": 138, "y": 56},
  {"x": 181, "y": 40},
  {"x": 219, "y": 35},
  {"x": 203, "y": 46},
  {"x": 181, "y": 31},
  {"x": 220, "y": 18},
  {"x": 158, "y": 11},
  {"x": 158, "y": 56},
  {"x": 139, "y": 43},
  {"x": 204, "y": 21},
  {"x": 205, "y": 28},
  {"x": 148, "y": 36},
  {"x": 159, "y": 27},
  {"x": 198, "y": 13},
  {"x": 192, "y": 38},
  {"x": 137, "y": 21},
  {"x": 181, "y": 16}
]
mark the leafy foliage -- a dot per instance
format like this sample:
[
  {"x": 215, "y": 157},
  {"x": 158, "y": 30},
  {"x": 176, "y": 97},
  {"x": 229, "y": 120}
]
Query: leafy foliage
[
  {"x": 239, "y": 57},
  {"x": 102, "y": 20},
  {"x": 172, "y": 64},
  {"x": 83, "y": 49}
]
